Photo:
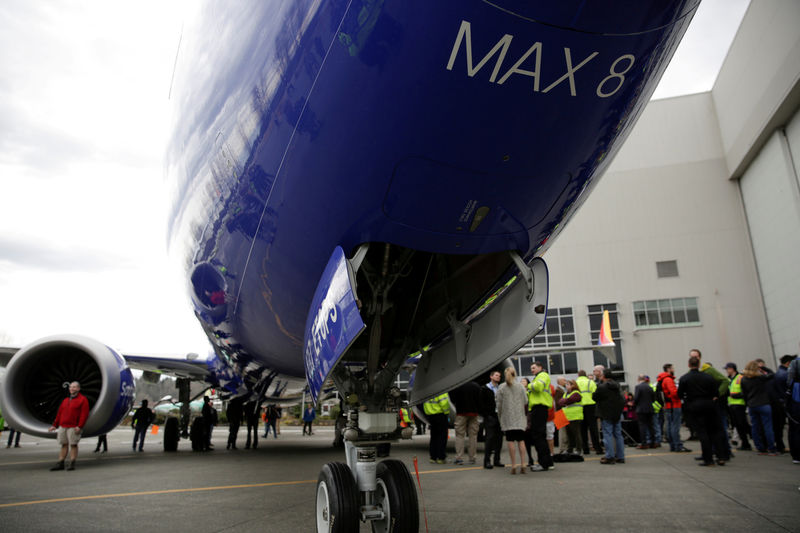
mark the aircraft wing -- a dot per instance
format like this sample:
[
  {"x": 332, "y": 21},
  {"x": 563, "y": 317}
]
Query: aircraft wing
[{"x": 189, "y": 366}]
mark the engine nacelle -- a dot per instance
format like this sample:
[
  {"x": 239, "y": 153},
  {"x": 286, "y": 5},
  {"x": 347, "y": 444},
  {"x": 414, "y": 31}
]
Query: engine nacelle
[{"x": 38, "y": 376}]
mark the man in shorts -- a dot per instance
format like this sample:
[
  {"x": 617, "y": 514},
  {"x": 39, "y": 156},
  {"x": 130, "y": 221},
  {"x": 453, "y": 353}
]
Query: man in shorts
[{"x": 69, "y": 422}]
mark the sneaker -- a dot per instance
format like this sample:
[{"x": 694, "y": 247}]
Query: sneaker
[
  {"x": 796, "y": 461},
  {"x": 551, "y": 467},
  {"x": 432, "y": 461},
  {"x": 607, "y": 461},
  {"x": 59, "y": 466},
  {"x": 683, "y": 450},
  {"x": 71, "y": 466},
  {"x": 537, "y": 468},
  {"x": 440, "y": 461},
  {"x": 459, "y": 462},
  {"x": 620, "y": 461},
  {"x": 472, "y": 461},
  {"x": 487, "y": 466}
]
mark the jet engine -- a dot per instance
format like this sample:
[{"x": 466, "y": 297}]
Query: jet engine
[{"x": 38, "y": 376}]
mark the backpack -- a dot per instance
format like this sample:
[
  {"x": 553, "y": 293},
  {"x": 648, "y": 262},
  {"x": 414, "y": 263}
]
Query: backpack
[{"x": 660, "y": 396}]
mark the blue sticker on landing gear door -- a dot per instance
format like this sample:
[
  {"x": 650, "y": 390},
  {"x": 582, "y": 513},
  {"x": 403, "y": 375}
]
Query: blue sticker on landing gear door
[{"x": 333, "y": 322}]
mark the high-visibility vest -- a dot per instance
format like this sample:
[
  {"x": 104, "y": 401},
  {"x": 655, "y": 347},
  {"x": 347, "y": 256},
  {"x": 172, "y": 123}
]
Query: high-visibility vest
[
  {"x": 575, "y": 410},
  {"x": 437, "y": 404},
  {"x": 735, "y": 387},
  {"x": 540, "y": 390},
  {"x": 586, "y": 387},
  {"x": 405, "y": 417},
  {"x": 656, "y": 406}
]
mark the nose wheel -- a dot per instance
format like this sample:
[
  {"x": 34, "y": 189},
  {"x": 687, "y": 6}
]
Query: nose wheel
[
  {"x": 394, "y": 506},
  {"x": 396, "y": 495},
  {"x": 337, "y": 500}
]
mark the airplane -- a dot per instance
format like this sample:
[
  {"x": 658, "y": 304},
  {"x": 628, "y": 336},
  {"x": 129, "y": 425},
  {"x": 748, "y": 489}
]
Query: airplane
[{"x": 355, "y": 181}]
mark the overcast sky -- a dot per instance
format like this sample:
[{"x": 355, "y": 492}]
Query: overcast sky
[{"x": 83, "y": 125}]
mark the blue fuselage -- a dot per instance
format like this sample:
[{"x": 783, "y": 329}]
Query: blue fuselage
[{"x": 464, "y": 128}]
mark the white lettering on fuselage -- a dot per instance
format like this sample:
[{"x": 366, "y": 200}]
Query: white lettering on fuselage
[
  {"x": 608, "y": 86},
  {"x": 327, "y": 314}
]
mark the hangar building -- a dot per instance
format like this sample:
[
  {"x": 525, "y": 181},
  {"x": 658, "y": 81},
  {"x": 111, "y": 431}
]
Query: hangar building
[{"x": 692, "y": 238}]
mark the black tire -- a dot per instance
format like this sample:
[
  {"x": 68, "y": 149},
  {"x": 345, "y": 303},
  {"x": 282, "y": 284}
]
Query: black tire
[
  {"x": 396, "y": 487},
  {"x": 171, "y": 434},
  {"x": 337, "y": 509}
]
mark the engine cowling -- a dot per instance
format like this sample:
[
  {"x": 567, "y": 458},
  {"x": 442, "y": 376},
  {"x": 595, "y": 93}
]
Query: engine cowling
[{"x": 38, "y": 376}]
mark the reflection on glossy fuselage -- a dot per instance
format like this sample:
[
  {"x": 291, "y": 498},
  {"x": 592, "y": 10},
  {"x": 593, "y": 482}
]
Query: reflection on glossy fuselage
[{"x": 447, "y": 129}]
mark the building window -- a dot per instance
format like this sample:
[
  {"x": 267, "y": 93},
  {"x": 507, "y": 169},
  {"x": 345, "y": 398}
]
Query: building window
[
  {"x": 667, "y": 269},
  {"x": 595, "y": 323},
  {"x": 559, "y": 330},
  {"x": 669, "y": 312}
]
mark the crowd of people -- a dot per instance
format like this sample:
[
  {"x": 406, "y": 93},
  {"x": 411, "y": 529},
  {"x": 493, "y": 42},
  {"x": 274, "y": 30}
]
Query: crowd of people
[{"x": 539, "y": 415}]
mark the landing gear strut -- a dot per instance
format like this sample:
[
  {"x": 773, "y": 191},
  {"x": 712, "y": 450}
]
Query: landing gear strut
[
  {"x": 382, "y": 493},
  {"x": 391, "y": 505}
]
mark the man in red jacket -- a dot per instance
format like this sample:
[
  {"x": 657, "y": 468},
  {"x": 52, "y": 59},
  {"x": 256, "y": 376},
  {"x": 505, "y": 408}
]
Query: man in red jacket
[
  {"x": 672, "y": 409},
  {"x": 69, "y": 422}
]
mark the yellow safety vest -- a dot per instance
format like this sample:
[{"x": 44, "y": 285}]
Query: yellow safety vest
[
  {"x": 575, "y": 410},
  {"x": 405, "y": 416},
  {"x": 735, "y": 387},
  {"x": 656, "y": 405},
  {"x": 586, "y": 387},
  {"x": 437, "y": 404},
  {"x": 540, "y": 391}
]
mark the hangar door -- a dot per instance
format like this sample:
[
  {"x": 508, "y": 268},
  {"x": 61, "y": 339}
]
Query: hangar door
[{"x": 771, "y": 194}]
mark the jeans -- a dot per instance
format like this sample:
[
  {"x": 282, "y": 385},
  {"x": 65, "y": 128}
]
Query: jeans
[
  {"x": 139, "y": 435},
  {"x": 722, "y": 410},
  {"x": 658, "y": 422},
  {"x": 673, "y": 416},
  {"x": 761, "y": 420},
  {"x": 612, "y": 439}
]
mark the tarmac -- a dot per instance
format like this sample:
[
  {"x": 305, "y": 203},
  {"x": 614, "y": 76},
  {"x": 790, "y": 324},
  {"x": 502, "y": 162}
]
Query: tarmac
[{"x": 273, "y": 489}]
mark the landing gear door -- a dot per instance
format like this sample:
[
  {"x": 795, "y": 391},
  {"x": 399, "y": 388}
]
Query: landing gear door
[
  {"x": 505, "y": 328},
  {"x": 333, "y": 321}
]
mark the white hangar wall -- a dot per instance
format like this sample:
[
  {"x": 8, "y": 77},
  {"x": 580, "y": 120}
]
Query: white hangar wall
[{"x": 673, "y": 194}]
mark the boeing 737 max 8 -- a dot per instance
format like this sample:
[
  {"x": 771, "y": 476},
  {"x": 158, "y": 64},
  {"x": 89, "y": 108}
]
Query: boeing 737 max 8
[{"x": 356, "y": 181}]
